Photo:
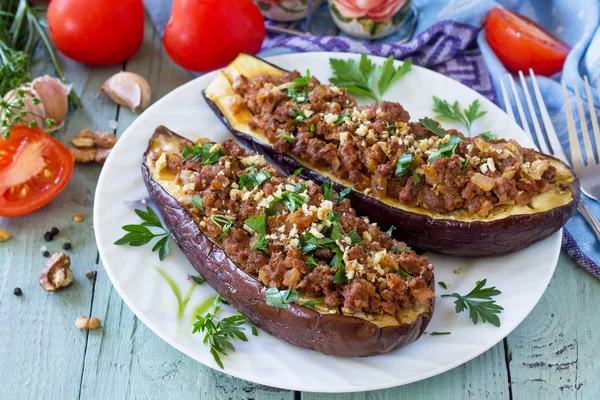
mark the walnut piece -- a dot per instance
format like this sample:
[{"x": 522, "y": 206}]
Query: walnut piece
[
  {"x": 84, "y": 322},
  {"x": 92, "y": 146},
  {"x": 57, "y": 273}
]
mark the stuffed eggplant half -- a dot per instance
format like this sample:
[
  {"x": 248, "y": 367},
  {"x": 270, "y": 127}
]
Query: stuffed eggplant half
[
  {"x": 290, "y": 255},
  {"x": 445, "y": 193}
]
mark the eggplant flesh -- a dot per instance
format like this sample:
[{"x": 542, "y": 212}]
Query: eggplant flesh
[
  {"x": 319, "y": 329},
  {"x": 508, "y": 228}
]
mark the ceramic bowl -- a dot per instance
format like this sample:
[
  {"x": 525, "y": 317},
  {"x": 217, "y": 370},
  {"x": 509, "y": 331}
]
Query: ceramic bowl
[
  {"x": 369, "y": 19},
  {"x": 285, "y": 10}
]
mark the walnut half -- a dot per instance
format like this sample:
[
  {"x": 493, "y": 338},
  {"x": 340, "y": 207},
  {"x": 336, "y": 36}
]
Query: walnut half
[
  {"x": 57, "y": 273},
  {"x": 92, "y": 146}
]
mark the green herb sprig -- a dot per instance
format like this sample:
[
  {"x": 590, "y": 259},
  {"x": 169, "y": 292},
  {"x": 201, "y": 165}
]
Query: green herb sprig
[
  {"x": 453, "y": 112},
  {"x": 366, "y": 78},
  {"x": 480, "y": 304},
  {"x": 139, "y": 234}
]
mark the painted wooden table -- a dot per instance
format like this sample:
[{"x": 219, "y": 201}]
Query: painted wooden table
[{"x": 553, "y": 354}]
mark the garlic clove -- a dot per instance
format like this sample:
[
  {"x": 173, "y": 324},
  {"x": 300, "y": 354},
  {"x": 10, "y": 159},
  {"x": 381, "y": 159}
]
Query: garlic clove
[
  {"x": 129, "y": 90},
  {"x": 54, "y": 98}
]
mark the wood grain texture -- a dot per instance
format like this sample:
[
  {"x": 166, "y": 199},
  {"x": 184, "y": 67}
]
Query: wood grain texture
[
  {"x": 41, "y": 351},
  {"x": 554, "y": 353}
]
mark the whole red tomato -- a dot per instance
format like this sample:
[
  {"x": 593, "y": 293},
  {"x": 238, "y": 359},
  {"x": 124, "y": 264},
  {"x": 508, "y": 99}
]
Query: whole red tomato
[
  {"x": 203, "y": 35},
  {"x": 97, "y": 32},
  {"x": 522, "y": 44}
]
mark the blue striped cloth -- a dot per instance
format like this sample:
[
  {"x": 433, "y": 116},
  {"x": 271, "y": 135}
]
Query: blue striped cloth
[{"x": 449, "y": 39}]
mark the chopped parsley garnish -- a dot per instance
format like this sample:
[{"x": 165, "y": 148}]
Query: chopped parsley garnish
[
  {"x": 466, "y": 163},
  {"x": 298, "y": 115},
  {"x": 258, "y": 223},
  {"x": 202, "y": 152},
  {"x": 280, "y": 299},
  {"x": 197, "y": 201},
  {"x": 340, "y": 275},
  {"x": 292, "y": 199},
  {"x": 312, "y": 128},
  {"x": 443, "y": 284},
  {"x": 298, "y": 96},
  {"x": 479, "y": 303},
  {"x": 309, "y": 242},
  {"x": 262, "y": 244},
  {"x": 398, "y": 249},
  {"x": 343, "y": 194},
  {"x": 327, "y": 190},
  {"x": 287, "y": 138},
  {"x": 198, "y": 279},
  {"x": 303, "y": 80},
  {"x": 341, "y": 119},
  {"x": 298, "y": 172},
  {"x": 223, "y": 222},
  {"x": 438, "y": 333},
  {"x": 403, "y": 273},
  {"x": 488, "y": 136},
  {"x": 453, "y": 112},
  {"x": 219, "y": 333},
  {"x": 433, "y": 127},
  {"x": 354, "y": 238},
  {"x": 311, "y": 262},
  {"x": 391, "y": 126},
  {"x": 403, "y": 164},
  {"x": 309, "y": 303},
  {"x": 139, "y": 234},
  {"x": 446, "y": 150},
  {"x": 416, "y": 178},
  {"x": 390, "y": 230},
  {"x": 252, "y": 179},
  {"x": 254, "y": 331}
]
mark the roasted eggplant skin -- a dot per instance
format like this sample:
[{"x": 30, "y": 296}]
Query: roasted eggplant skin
[
  {"x": 439, "y": 235},
  {"x": 302, "y": 326}
]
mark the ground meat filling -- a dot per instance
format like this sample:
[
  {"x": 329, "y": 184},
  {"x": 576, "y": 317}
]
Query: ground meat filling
[
  {"x": 322, "y": 125},
  {"x": 284, "y": 232}
]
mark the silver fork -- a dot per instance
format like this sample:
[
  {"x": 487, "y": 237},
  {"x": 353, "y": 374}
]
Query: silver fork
[{"x": 589, "y": 185}]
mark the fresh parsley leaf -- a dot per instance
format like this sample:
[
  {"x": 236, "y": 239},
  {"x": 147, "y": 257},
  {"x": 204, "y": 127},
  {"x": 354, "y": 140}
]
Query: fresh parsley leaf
[
  {"x": 197, "y": 201},
  {"x": 416, "y": 178},
  {"x": 309, "y": 242},
  {"x": 446, "y": 150},
  {"x": 443, "y": 284},
  {"x": 312, "y": 128},
  {"x": 453, "y": 112},
  {"x": 340, "y": 276},
  {"x": 391, "y": 126},
  {"x": 292, "y": 200},
  {"x": 341, "y": 119},
  {"x": 287, "y": 138},
  {"x": 402, "y": 273},
  {"x": 223, "y": 222},
  {"x": 298, "y": 115},
  {"x": 198, "y": 279},
  {"x": 202, "y": 152},
  {"x": 354, "y": 238},
  {"x": 303, "y": 80},
  {"x": 252, "y": 179},
  {"x": 262, "y": 244},
  {"x": 403, "y": 164},
  {"x": 139, "y": 234},
  {"x": 254, "y": 331},
  {"x": 327, "y": 190},
  {"x": 391, "y": 229},
  {"x": 343, "y": 194},
  {"x": 311, "y": 262},
  {"x": 466, "y": 163},
  {"x": 480, "y": 304},
  {"x": 309, "y": 303},
  {"x": 389, "y": 74},
  {"x": 488, "y": 136},
  {"x": 298, "y": 96},
  {"x": 439, "y": 333},
  {"x": 433, "y": 127},
  {"x": 218, "y": 334},
  {"x": 280, "y": 299},
  {"x": 298, "y": 172},
  {"x": 258, "y": 223}
]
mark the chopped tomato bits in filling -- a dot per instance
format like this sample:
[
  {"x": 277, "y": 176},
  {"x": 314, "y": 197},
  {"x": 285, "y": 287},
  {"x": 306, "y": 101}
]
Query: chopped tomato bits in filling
[
  {"x": 385, "y": 155},
  {"x": 291, "y": 233}
]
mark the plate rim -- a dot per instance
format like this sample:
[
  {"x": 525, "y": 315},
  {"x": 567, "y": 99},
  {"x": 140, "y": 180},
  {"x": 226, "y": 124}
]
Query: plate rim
[{"x": 384, "y": 385}]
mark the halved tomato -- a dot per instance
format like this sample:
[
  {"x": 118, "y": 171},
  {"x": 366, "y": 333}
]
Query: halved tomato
[
  {"x": 34, "y": 169},
  {"x": 521, "y": 44}
]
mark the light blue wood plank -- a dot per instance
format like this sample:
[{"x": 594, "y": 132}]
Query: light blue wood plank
[
  {"x": 41, "y": 351},
  {"x": 555, "y": 351},
  {"x": 126, "y": 360}
]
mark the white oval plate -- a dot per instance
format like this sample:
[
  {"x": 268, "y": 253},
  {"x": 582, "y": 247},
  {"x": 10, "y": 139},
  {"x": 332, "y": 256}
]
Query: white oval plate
[{"x": 522, "y": 276}]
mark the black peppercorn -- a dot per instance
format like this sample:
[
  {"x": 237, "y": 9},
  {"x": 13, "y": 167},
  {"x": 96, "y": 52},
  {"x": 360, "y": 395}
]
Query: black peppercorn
[
  {"x": 67, "y": 246},
  {"x": 18, "y": 291},
  {"x": 46, "y": 253},
  {"x": 48, "y": 236},
  {"x": 54, "y": 231}
]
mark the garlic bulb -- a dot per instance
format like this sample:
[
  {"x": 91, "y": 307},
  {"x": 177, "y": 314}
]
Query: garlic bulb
[
  {"x": 44, "y": 98},
  {"x": 129, "y": 90}
]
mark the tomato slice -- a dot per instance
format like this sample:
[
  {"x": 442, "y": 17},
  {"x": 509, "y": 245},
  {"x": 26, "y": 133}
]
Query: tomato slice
[
  {"x": 521, "y": 44},
  {"x": 34, "y": 169}
]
